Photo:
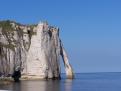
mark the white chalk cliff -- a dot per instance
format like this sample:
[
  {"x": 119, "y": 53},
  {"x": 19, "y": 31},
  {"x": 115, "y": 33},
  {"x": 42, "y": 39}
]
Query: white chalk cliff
[{"x": 35, "y": 50}]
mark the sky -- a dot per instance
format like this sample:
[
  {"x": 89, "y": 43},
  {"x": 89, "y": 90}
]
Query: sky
[{"x": 90, "y": 29}]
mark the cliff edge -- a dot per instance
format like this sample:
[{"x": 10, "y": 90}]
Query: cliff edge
[{"x": 33, "y": 49}]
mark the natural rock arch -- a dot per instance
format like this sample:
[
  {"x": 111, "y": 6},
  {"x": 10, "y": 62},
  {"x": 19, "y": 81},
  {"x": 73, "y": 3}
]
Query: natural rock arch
[{"x": 34, "y": 49}]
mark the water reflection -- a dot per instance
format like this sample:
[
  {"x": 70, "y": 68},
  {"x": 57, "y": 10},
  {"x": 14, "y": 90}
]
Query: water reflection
[
  {"x": 43, "y": 85},
  {"x": 50, "y": 85},
  {"x": 16, "y": 87},
  {"x": 68, "y": 84}
]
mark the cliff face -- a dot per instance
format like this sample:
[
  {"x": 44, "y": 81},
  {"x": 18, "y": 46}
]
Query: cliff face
[{"x": 34, "y": 50}]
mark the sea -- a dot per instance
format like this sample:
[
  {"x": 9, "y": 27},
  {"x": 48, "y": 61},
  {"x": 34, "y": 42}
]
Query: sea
[{"x": 107, "y": 81}]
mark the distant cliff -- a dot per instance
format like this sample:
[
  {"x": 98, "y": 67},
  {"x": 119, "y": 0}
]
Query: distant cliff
[{"x": 33, "y": 49}]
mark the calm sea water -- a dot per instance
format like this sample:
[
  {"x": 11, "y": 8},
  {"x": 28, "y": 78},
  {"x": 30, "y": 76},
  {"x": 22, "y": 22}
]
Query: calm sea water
[{"x": 82, "y": 82}]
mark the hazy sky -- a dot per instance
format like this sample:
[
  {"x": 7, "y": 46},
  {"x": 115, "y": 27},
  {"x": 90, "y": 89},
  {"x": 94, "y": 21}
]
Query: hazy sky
[{"x": 89, "y": 29}]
